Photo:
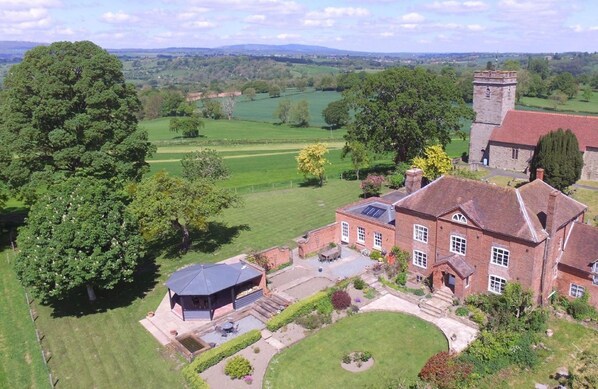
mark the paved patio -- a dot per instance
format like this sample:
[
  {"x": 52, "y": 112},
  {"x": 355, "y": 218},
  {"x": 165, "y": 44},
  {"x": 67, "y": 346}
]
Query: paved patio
[{"x": 246, "y": 324}]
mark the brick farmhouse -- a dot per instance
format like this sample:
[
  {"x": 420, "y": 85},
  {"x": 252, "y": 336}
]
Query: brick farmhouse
[
  {"x": 473, "y": 237},
  {"x": 505, "y": 138}
]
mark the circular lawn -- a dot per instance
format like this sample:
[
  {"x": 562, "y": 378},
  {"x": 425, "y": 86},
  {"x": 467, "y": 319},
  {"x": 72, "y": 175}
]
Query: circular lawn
[{"x": 400, "y": 345}]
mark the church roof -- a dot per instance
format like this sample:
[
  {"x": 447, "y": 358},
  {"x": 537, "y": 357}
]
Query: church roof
[
  {"x": 526, "y": 127},
  {"x": 513, "y": 212}
]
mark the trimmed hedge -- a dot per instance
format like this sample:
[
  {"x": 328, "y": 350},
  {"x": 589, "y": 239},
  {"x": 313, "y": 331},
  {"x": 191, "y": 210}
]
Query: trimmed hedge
[
  {"x": 293, "y": 311},
  {"x": 213, "y": 356}
]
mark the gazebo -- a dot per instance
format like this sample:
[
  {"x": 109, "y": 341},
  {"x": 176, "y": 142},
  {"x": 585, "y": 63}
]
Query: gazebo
[{"x": 205, "y": 291}]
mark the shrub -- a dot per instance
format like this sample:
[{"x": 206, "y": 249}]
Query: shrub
[
  {"x": 296, "y": 310},
  {"x": 359, "y": 284},
  {"x": 238, "y": 367},
  {"x": 478, "y": 316},
  {"x": 365, "y": 356},
  {"x": 325, "y": 307},
  {"x": 193, "y": 379},
  {"x": 256, "y": 350},
  {"x": 372, "y": 185},
  {"x": 369, "y": 293},
  {"x": 347, "y": 358},
  {"x": 402, "y": 279},
  {"x": 213, "y": 356},
  {"x": 376, "y": 255},
  {"x": 419, "y": 292},
  {"x": 580, "y": 308},
  {"x": 314, "y": 320},
  {"x": 462, "y": 311},
  {"x": 396, "y": 180},
  {"x": 445, "y": 371},
  {"x": 341, "y": 300}
]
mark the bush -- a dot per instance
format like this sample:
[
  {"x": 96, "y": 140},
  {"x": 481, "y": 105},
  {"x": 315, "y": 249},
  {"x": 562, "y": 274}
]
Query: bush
[
  {"x": 419, "y": 292},
  {"x": 296, "y": 310},
  {"x": 347, "y": 358},
  {"x": 193, "y": 379},
  {"x": 376, "y": 255},
  {"x": 372, "y": 185},
  {"x": 314, "y": 320},
  {"x": 581, "y": 309},
  {"x": 477, "y": 316},
  {"x": 396, "y": 180},
  {"x": 446, "y": 371},
  {"x": 238, "y": 367},
  {"x": 462, "y": 311},
  {"x": 359, "y": 284},
  {"x": 213, "y": 356},
  {"x": 402, "y": 279},
  {"x": 340, "y": 300}
]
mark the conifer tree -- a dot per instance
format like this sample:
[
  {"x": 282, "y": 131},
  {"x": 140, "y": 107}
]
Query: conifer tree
[{"x": 558, "y": 154}]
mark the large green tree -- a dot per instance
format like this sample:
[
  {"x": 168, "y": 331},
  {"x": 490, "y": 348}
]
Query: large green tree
[
  {"x": 204, "y": 164},
  {"x": 360, "y": 158},
  {"x": 566, "y": 83},
  {"x": 189, "y": 126},
  {"x": 401, "y": 110},
  {"x": 299, "y": 114},
  {"x": 78, "y": 234},
  {"x": 336, "y": 114},
  {"x": 558, "y": 154},
  {"x": 66, "y": 108},
  {"x": 167, "y": 205}
]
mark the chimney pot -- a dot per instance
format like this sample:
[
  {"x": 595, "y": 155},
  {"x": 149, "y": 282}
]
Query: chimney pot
[{"x": 540, "y": 174}]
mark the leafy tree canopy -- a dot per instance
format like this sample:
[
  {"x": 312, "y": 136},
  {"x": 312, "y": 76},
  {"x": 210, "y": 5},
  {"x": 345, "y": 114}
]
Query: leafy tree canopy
[
  {"x": 558, "y": 154},
  {"x": 336, "y": 114},
  {"x": 78, "y": 234},
  {"x": 312, "y": 161},
  {"x": 566, "y": 83},
  {"x": 68, "y": 109},
  {"x": 360, "y": 157},
  {"x": 189, "y": 126},
  {"x": 299, "y": 114},
  {"x": 435, "y": 163},
  {"x": 204, "y": 164},
  {"x": 212, "y": 109},
  {"x": 166, "y": 205},
  {"x": 283, "y": 111},
  {"x": 402, "y": 110}
]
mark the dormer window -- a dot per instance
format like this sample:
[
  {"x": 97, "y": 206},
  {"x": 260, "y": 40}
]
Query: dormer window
[{"x": 459, "y": 218}]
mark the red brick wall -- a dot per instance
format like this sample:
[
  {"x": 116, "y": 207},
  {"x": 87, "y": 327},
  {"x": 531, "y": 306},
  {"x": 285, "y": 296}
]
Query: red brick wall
[
  {"x": 277, "y": 256},
  {"x": 568, "y": 276},
  {"x": 317, "y": 239},
  {"x": 387, "y": 231}
]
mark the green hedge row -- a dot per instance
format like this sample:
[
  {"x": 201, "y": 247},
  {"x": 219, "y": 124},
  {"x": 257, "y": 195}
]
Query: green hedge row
[
  {"x": 213, "y": 356},
  {"x": 293, "y": 311}
]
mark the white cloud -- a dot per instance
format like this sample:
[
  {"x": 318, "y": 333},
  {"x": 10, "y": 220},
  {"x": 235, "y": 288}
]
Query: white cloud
[
  {"x": 24, "y": 4},
  {"x": 17, "y": 16},
  {"x": 199, "y": 24},
  {"x": 338, "y": 12},
  {"x": 409, "y": 26},
  {"x": 318, "y": 22},
  {"x": 387, "y": 34},
  {"x": 285, "y": 37},
  {"x": 452, "y": 6},
  {"x": 475, "y": 27},
  {"x": 412, "y": 17},
  {"x": 255, "y": 18},
  {"x": 118, "y": 17}
]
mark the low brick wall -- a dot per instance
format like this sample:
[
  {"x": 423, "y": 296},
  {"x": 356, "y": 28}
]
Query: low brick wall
[
  {"x": 277, "y": 256},
  {"x": 317, "y": 239}
]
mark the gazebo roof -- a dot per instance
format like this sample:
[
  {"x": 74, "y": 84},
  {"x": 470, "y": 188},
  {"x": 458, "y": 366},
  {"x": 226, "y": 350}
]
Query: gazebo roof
[{"x": 207, "y": 279}]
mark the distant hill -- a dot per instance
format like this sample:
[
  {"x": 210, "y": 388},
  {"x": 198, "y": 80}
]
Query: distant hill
[{"x": 15, "y": 50}]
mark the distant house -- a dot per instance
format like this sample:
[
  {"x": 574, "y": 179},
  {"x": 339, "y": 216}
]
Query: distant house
[
  {"x": 474, "y": 237},
  {"x": 505, "y": 138}
]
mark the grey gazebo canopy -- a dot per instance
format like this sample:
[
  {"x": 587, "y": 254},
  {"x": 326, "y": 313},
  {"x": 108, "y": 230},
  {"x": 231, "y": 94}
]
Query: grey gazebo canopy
[{"x": 207, "y": 279}]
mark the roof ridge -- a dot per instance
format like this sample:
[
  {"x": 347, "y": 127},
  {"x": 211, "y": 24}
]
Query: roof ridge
[
  {"x": 395, "y": 204},
  {"x": 553, "y": 114},
  {"x": 523, "y": 210}
]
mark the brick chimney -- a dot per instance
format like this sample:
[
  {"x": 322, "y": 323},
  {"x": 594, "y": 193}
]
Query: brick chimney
[
  {"x": 552, "y": 200},
  {"x": 540, "y": 174},
  {"x": 413, "y": 181}
]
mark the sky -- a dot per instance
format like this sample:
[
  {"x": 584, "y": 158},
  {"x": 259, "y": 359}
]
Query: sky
[{"x": 360, "y": 25}]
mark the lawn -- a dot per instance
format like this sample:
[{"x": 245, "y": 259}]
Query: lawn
[
  {"x": 573, "y": 105},
  {"x": 21, "y": 364},
  {"x": 566, "y": 342},
  {"x": 103, "y": 345},
  {"x": 589, "y": 198},
  {"x": 400, "y": 345}
]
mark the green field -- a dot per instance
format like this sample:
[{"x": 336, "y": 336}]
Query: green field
[
  {"x": 103, "y": 345},
  {"x": 400, "y": 345},
  {"x": 573, "y": 105},
  {"x": 21, "y": 364}
]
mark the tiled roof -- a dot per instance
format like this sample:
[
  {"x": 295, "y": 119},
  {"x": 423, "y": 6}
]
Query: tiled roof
[
  {"x": 206, "y": 279},
  {"x": 508, "y": 211},
  {"x": 526, "y": 127},
  {"x": 581, "y": 248},
  {"x": 457, "y": 263}
]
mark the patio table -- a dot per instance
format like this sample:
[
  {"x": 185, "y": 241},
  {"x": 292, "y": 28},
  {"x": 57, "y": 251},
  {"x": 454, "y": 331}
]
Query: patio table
[{"x": 228, "y": 326}]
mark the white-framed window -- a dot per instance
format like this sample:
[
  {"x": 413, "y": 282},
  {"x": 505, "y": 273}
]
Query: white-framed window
[
  {"x": 458, "y": 245},
  {"x": 360, "y": 234},
  {"x": 576, "y": 290},
  {"x": 595, "y": 279},
  {"x": 345, "y": 232},
  {"x": 500, "y": 256},
  {"x": 467, "y": 279},
  {"x": 595, "y": 267},
  {"x": 459, "y": 218},
  {"x": 496, "y": 284},
  {"x": 378, "y": 240},
  {"x": 420, "y": 233},
  {"x": 420, "y": 259}
]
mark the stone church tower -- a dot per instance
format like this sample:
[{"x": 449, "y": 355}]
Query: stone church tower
[{"x": 493, "y": 96}]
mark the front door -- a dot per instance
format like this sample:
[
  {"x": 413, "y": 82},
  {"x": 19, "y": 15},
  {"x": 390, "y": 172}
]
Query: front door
[{"x": 449, "y": 281}]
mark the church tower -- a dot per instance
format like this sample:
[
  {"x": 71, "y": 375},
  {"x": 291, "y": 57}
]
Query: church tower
[{"x": 493, "y": 96}]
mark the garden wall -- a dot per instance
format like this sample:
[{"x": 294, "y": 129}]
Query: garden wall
[
  {"x": 277, "y": 256},
  {"x": 317, "y": 239}
]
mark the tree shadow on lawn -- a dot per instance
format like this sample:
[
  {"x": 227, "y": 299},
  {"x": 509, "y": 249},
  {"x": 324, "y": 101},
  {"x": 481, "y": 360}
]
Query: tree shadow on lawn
[
  {"x": 77, "y": 304},
  {"x": 380, "y": 168}
]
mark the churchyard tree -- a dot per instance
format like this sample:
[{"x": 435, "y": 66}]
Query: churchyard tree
[
  {"x": 435, "y": 163},
  {"x": 67, "y": 109},
  {"x": 78, "y": 234},
  {"x": 204, "y": 164},
  {"x": 558, "y": 154},
  {"x": 312, "y": 161},
  {"x": 166, "y": 205},
  {"x": 401, "y": 110}
]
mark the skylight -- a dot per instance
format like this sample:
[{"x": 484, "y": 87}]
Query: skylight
[{"x": 373, "y": 211}]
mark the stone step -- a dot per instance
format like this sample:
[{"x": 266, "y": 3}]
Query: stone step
[
  {"x": 269, "y": 305},
  {"x": 279, "y": 300},
  {"x": 432, "y": 310},
  {"x": 262, "y": 311},
  {"x": 259, "y": 316},
  {"x": 447, "y": 299}
]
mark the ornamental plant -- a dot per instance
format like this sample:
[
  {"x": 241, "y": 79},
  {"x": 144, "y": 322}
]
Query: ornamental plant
[
  {"x": 445, "y": 371},
  {"x": 372, "y": 185},
  {"x": 341, "y": 300},
  {"x": 238, "y": 367}
]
